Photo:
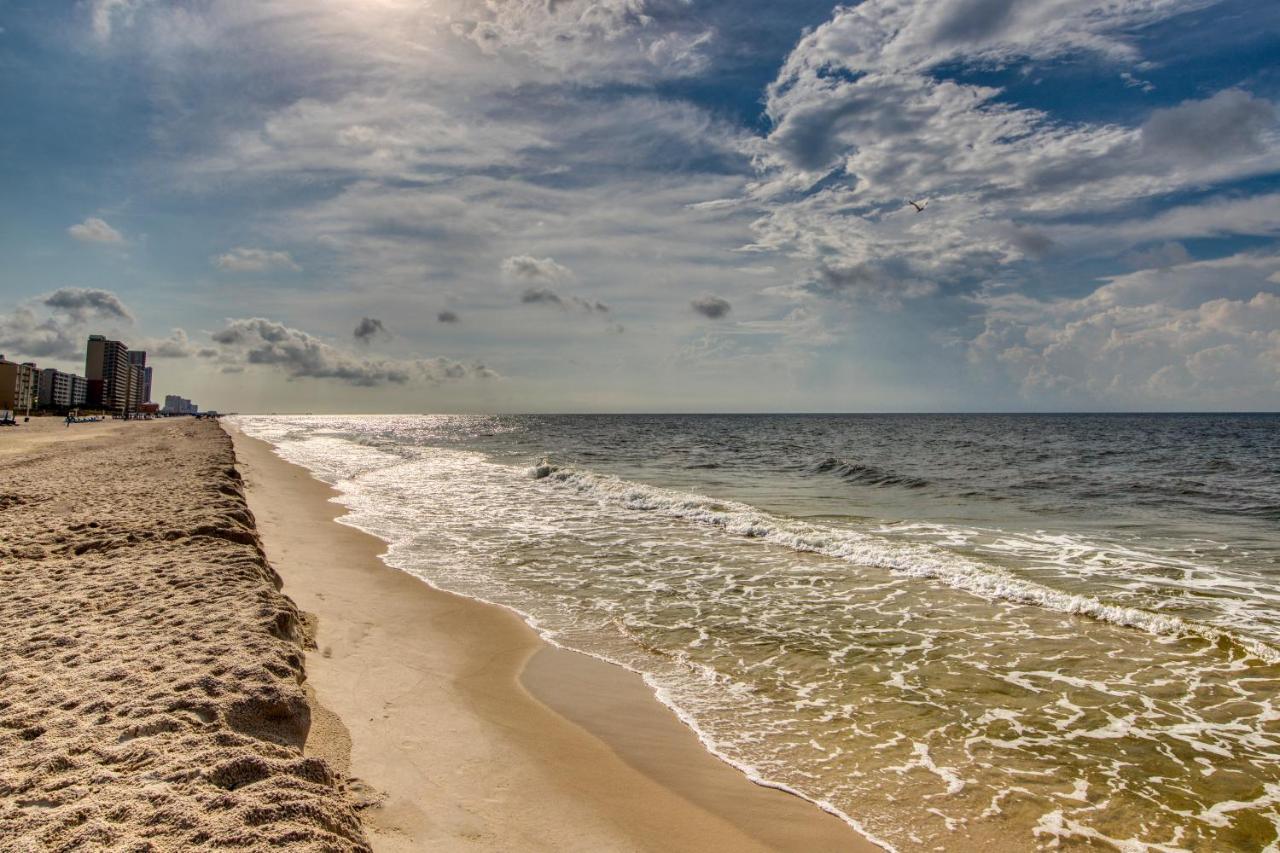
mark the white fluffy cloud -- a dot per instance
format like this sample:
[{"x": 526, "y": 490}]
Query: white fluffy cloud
[
  {"x": 95, "y": 230},
  {"x": 1196, "y": 334},
  {"x": 528, "y": 268}
]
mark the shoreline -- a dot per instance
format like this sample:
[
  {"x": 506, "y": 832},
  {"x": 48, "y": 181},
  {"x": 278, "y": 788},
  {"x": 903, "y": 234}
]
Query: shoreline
[{"x": 503, "y": 740}]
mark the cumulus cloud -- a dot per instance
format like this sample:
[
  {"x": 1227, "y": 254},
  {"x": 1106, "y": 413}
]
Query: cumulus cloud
[
  {"x": 711, "y": 307},
  {"x": 529, "y": 268},
  {"x": 244, "y": 259},
  {"x": 83, "y": 303},
  {"x": 259, "y": 341},
  {"x": 1199, "y": 334},
  {"x": 176, "y": 345},
  {"x": 55, "y": 325},
  {"x": 368, "y": 328},
  {"x": 95, "y": 230},
  {"x": 447, "y": 317}
]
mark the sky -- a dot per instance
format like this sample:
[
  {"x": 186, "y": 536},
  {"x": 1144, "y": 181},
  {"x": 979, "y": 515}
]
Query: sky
[{"x": 649, "y": 205}]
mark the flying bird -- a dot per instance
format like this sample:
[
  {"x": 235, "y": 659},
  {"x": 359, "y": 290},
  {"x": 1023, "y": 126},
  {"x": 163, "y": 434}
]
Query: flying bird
[{"x": 919, "y": 206}]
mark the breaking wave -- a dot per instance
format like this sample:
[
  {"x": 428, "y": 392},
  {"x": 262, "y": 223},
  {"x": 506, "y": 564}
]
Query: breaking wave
[{"x": 909, "y": 559}]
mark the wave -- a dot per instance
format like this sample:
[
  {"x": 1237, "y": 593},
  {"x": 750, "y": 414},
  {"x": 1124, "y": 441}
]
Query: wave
[
  {"x": 867, "y": 475},
  {"x": 909, "y": 559}
]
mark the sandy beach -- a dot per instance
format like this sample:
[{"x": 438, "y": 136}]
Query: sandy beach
[
  {"x": 151, "y": 672},
  {"x": 471, "y": 733},
  {"x": 176, "y": 673}
]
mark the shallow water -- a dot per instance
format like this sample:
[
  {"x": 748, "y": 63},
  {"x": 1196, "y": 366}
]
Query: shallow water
[{"x": 955, "y": 631}]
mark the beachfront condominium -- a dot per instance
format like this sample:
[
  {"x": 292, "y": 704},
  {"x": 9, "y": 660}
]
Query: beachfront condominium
[
  {"x": 138, "y": 361},
  {"x": 59, "y": 390},
  {"x": 106, "y": 366},
  {"x": 17, "y": 385}
]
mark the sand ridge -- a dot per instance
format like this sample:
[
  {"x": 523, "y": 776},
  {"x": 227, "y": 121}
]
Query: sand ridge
[{"x": 151, "y": 671}]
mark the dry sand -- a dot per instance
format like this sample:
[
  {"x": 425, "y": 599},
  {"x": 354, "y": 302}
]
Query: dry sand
[
  {"x": 477, "y": 735},
  {"x": 151, "y": 672}
]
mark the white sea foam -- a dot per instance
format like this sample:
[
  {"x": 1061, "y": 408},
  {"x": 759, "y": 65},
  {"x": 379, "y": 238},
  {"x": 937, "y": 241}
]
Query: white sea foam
[
  {"x": 990, "y": 582},
  {"x": 860, "y": 689}
]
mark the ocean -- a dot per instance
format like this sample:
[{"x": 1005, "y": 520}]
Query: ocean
[{"x": 957, "y": 632}]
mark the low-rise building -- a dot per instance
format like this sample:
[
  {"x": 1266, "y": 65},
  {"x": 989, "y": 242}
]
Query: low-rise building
[
  {"x": 57, "y": 389},
  {"x": 18, "y": 384}
]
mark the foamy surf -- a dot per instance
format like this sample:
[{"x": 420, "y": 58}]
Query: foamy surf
[
  {"x": 862, "y": 549},
  {"x": 842, "y": 667}
]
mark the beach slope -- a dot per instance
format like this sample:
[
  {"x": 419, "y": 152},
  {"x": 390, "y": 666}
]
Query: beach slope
[{"x": 151, "y": 672}]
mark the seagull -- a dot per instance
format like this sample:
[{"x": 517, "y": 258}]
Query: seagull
[{"x": 919, "y": 206}]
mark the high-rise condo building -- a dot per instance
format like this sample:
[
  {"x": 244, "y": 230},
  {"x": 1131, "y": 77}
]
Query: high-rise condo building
[
  {"x": 107, "y": 368},
  {"x": 138, "y": 358}
]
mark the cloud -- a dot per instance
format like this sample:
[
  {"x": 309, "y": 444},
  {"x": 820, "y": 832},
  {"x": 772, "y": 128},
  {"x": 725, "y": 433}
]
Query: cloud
[
  {"x": 1201, "y": 334},
  {"x": 447, "y": 317},
  {"x": 81, "y": 304},
  {"x": 712, "y": 307},
  {"x": 55, "y": 325},
  {"x": 368, "y": 328},
  {"x": 176, "y": 345},
  {"x": 547, "y": 296},
  {"x": 529, "y": 268},
  {"x": 863, "y": 119},
  {"x": 1231, "y": 122},
  {"x": 244, "y": 259},
  {"x": 602, "y": 39},
  {"x": 106, "y": 12},
  {"x": 95, "y": 230},
  {"x": 259, "y": 341},
  {"x": 1162, "y": 256}
]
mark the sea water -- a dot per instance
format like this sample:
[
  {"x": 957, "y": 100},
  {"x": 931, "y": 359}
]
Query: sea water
[{"x": 957, "y": 632}]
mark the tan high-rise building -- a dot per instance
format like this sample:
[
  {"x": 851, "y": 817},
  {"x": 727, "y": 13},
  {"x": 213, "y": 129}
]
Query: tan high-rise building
[
  {"x": 106, "y": 366},
  {"x": 18, "y": 384}
]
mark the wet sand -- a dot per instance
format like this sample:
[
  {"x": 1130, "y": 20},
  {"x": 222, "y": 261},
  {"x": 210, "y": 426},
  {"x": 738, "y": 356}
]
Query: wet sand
[{"x": 470, "y": 732}]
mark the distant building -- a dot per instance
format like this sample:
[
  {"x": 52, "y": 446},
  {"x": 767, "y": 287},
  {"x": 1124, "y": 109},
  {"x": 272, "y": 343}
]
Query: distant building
[
  {"x": 18, "y": 384},
  {"x": 59, "y": 390},
  {"x": 109, "y": 374},
  {"x": 175, "y": 405}
]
